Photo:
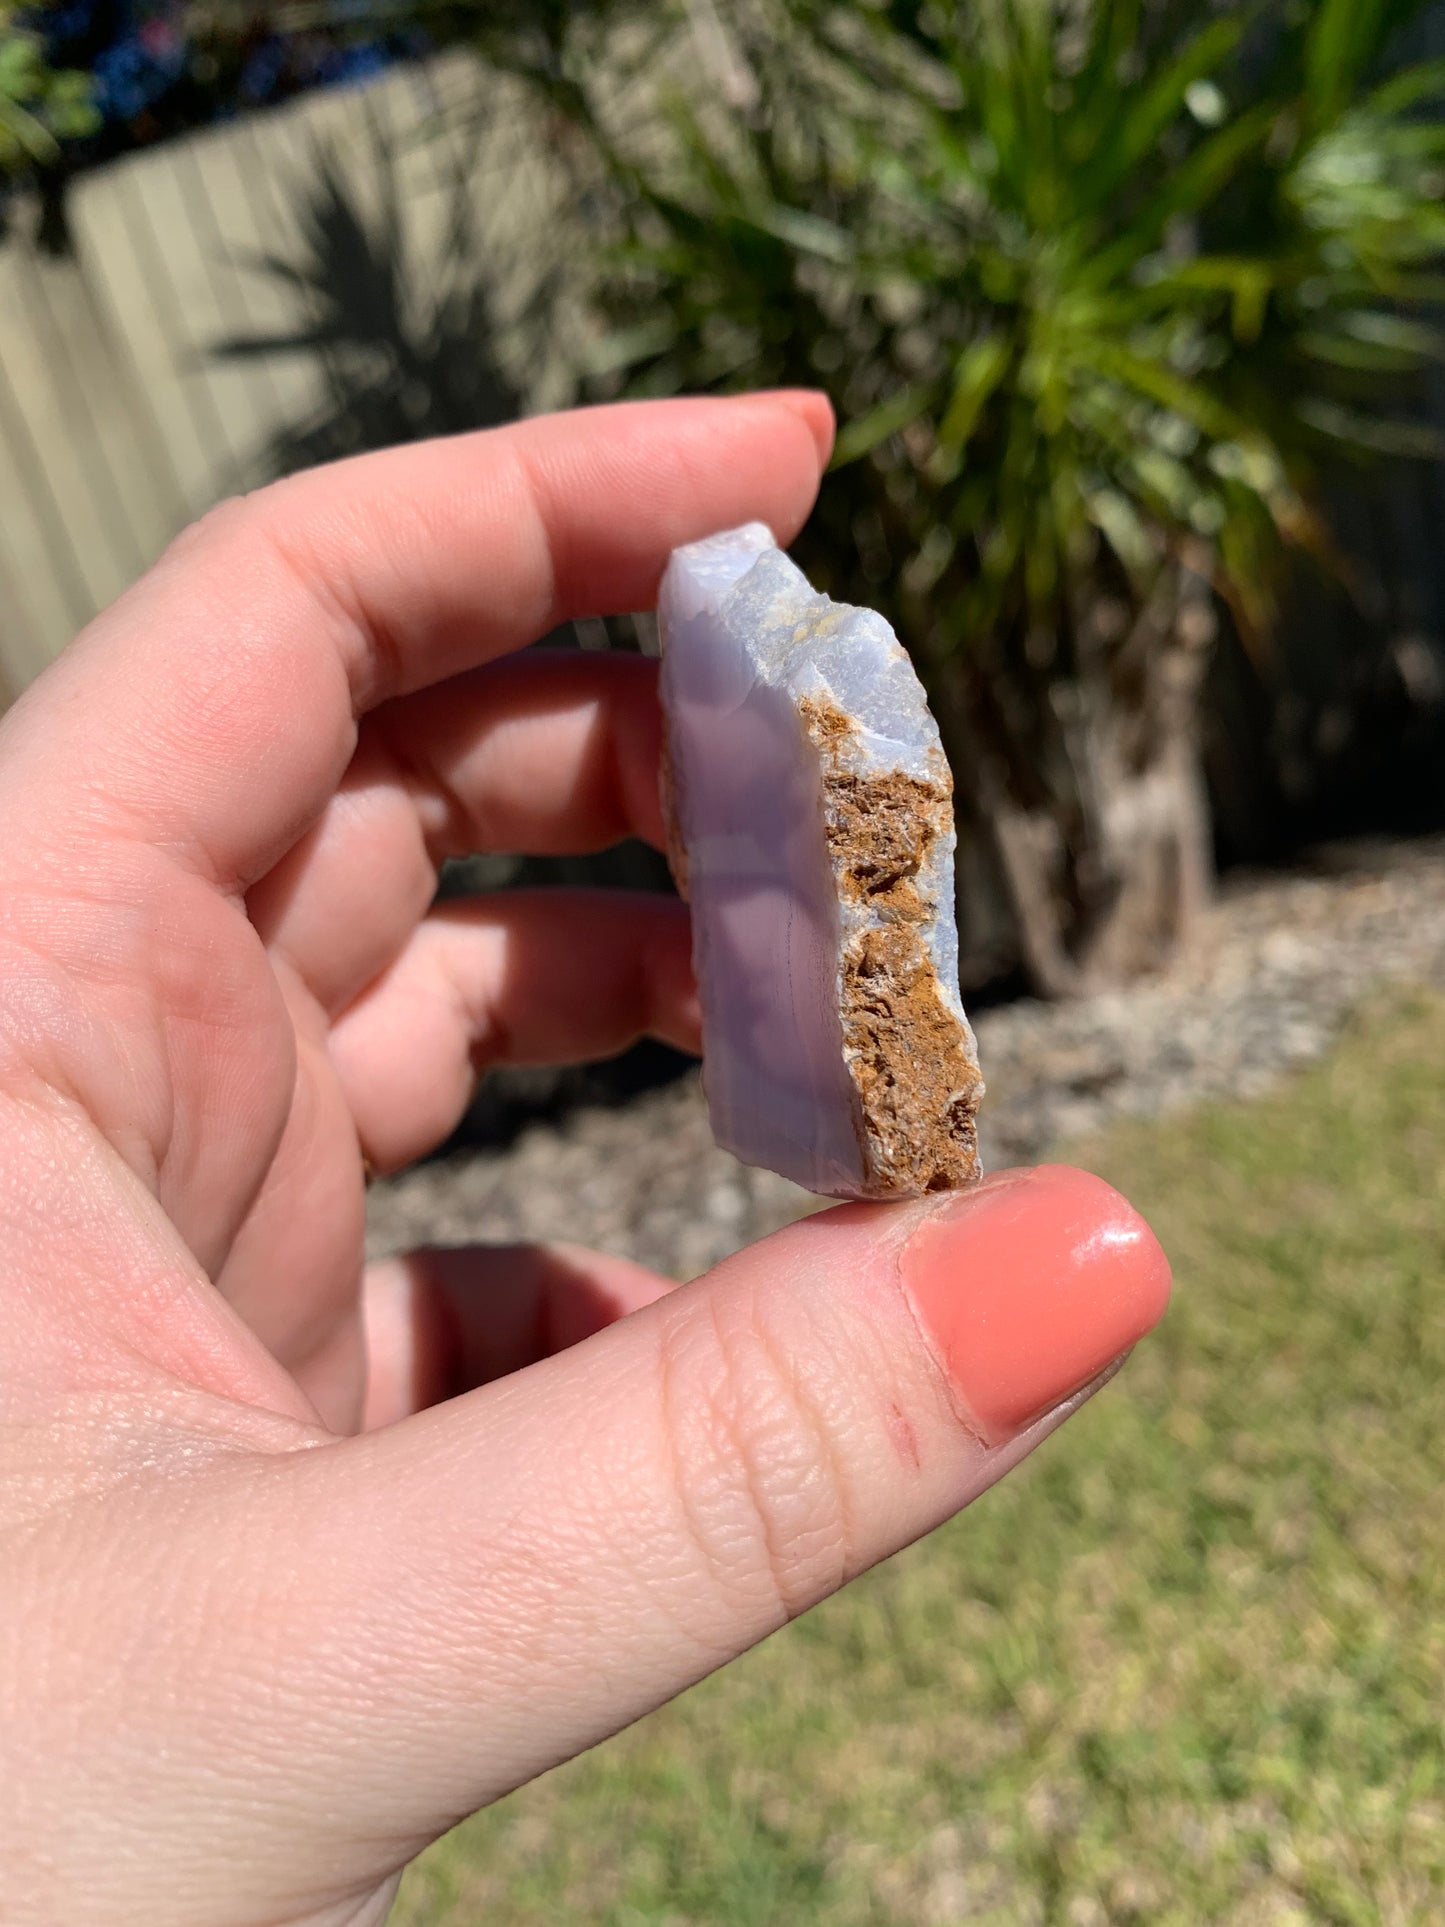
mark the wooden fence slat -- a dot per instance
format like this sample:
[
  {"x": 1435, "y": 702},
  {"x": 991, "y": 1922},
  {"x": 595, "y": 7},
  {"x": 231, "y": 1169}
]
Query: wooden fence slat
[{"x": 118, "y": 421}]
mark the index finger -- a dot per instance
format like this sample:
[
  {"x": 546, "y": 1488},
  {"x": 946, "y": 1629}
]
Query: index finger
[{"x": 213, "y": 708}]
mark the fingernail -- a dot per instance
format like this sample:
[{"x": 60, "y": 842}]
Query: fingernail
[{"x": 1029, "y": 1286}]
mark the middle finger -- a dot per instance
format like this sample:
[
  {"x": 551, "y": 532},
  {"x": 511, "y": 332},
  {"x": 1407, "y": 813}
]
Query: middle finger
[{"x": 548, "y": 753}]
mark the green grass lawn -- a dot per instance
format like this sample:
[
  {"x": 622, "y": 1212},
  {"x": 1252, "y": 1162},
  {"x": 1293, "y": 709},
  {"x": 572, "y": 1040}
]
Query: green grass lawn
[{"x": 1187, "y": 1667}]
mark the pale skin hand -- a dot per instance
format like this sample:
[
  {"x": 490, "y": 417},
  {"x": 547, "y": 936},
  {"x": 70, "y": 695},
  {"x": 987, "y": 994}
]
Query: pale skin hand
[{"x": 254, "y": 1656}]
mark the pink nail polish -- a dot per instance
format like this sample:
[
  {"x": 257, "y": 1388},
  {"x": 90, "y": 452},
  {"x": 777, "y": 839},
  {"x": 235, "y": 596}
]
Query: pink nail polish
[{"x": 1029, "y": 1286}]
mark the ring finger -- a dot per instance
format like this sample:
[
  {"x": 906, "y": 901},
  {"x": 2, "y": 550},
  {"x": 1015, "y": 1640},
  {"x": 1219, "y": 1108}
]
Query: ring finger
[
  {"x": 521, "y": 977},
  {"x": 547, "y": 753}
]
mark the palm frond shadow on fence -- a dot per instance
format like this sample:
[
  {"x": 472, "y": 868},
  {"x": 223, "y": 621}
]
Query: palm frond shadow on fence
[
  {"x": 404, "y": 362},
  {"x": 401, "y": 361}
]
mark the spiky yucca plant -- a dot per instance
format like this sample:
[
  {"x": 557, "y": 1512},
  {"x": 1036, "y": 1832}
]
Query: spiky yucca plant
[{"x": 1099, "y": 289}]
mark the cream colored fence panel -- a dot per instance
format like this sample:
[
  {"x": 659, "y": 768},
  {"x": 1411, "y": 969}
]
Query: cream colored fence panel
[{"x": 119, "y": 422}]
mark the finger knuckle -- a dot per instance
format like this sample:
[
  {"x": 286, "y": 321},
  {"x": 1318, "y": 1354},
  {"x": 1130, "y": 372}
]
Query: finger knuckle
[{"x": 762, "y": 1483}]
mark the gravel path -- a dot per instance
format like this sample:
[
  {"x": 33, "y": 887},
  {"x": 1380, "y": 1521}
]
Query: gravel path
[{"x": 1278, "y": 966}]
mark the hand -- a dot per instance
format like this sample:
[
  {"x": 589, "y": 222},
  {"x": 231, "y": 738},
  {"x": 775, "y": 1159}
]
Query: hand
[{"x": 253, "y": 1658}]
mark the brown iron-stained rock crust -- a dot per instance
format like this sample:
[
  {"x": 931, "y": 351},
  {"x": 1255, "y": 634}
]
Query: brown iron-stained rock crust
[{"x": 917, "y": 1085}]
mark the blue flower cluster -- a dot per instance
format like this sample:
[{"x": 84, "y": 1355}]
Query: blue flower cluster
[
  {"x": 134, "y": 71},
  {"x": 64, "y": 23},
  {"x": 153, "y": 74},
  {"x": 283, "y": 63}
]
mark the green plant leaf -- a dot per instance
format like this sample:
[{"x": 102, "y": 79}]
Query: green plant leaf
[
  {"x": 20, "y": 65},
  {"x": 29, "y": 133},
  {"x": 1249, "y": 281},
  {"x": 981, "y": 367},
  {"x": 626, "y": 347},
  {"x": 1188, "y": 190},
  {"x": 1343, "y": 38},
  {"x": 1138, "y": 128},
  {"x": 1415, "y": 84},
  {"x": 1397, "y": 332},
  {"x": 1191, "y": 400},
  {"x": 857, "y": 437},
  {"x": 1118, "y": 520},
  {"x": 808, "y": 233},
  {"x": 1373, "y": 434}
]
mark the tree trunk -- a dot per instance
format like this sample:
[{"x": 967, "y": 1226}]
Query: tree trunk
[
  {"x": 1154, "y": 857},
  {"x": 1104, "y": 853}
]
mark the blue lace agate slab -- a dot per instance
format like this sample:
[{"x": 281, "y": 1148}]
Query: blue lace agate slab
[{"x": 810, "y": 817}]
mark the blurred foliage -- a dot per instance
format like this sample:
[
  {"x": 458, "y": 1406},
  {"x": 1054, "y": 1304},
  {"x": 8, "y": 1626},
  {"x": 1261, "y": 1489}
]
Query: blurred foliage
[
  {"x": 127, "y": 73},
  {"x": 1100, "y": 288},
  {"x": 1087, "y": 282},
  {"x": 40, "y": 105},
  {"x": 1086, "y": 278}
]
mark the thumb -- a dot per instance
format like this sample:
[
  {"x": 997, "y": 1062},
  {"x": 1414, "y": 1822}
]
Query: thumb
[
  {"x": 526, "y": 1569},
  {"x": 372, "y": 1637}
]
